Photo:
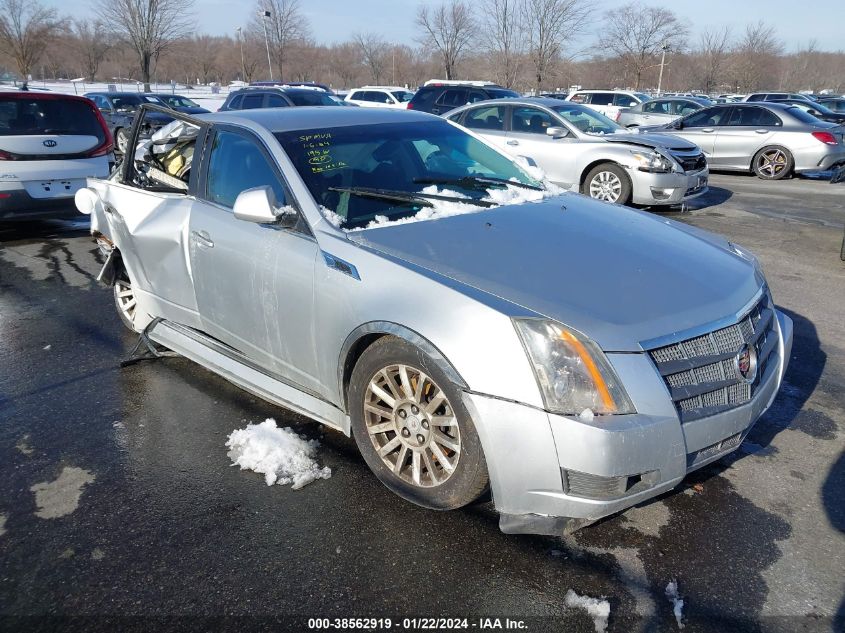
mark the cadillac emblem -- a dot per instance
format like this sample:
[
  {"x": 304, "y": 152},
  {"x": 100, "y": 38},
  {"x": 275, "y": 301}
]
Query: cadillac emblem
[{"x": 745, "y": 363}]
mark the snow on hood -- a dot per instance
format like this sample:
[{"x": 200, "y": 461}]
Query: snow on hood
[{"x": 618, "y": 275}]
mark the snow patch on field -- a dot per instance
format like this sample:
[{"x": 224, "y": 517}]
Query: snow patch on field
[
  {"x": 282, "y": 456},
  {"x": 677, "y": 604},
  {"x": 598, "y": 609}
]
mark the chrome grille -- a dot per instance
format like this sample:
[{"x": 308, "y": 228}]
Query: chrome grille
[{"x": 701, "y": 373}]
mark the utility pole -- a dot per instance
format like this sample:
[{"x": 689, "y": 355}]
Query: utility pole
[
  {"x": 664, "y": 48},
  {"x": 243, "y": 64},
  {"x": 265, "y": 17}
]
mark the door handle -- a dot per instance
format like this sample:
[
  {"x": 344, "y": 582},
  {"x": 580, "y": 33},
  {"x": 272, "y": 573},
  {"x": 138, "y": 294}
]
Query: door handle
[
  {"x": 202, "y": 237},
  {"x": 513, "y": 142},
  {"x": 708, "y": 129}
]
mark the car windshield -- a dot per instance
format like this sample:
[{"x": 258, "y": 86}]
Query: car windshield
[
  {"x": 803, "y": 116},
  {"x": 130, "y": 103},
  {"x": 501, "y": 93},
  {"x": 310, "y": 98},
  {"x": 403, "y": 96},
  {"x": 175, "y": 101},
  {"x": 587, "y": 120},
  {"x": 363, "y": 171},
  {"x": 642, "y": 96}
]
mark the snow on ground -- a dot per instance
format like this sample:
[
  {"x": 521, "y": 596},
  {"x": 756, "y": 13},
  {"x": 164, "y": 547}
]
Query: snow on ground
[
  {"x": 203, "y": 95},
  {"x": 599, "y": 610},
  {"x": 280, "y": 455},
  {"x": 677, "y": 603}
]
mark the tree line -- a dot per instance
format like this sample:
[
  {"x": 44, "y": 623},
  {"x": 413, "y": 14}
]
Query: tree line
[{"x": 521, "y": 44}]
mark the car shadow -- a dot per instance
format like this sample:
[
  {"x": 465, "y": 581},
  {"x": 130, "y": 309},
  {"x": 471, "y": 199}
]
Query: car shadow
[{"x": 713, "y": 198}]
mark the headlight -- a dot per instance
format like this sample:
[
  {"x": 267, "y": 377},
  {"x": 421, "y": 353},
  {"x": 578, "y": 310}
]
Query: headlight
[
  {"x": 571, "y": 370},
  {"x": 653, "y": 162}
]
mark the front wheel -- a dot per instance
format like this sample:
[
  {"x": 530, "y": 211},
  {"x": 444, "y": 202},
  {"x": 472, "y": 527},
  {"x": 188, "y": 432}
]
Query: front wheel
[
  {"x": 607, "y": 182},
  {"x": 121, "y": 139},
  {"x": 773, "y": 163},
  {"x": 412, "y": 427}
]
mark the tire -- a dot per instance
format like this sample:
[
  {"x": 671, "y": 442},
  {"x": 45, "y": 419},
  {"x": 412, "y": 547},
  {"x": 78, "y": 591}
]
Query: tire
[
  {"x": 772, "y": 163},
  {"x": 608, "y": 182},
  {"x": 842, "y": 248},
  {"x": 412, "y": 467},
  {"x": 124, "y": 300},
  {"x": 121, "y": 140}
]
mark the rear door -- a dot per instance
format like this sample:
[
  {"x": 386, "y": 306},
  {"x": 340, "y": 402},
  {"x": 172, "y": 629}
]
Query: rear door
[
  {"x": 253, "y": 282},
  {"x": 449, "y": 100},
  {"x": 489, "y": 123},
  {"x": 748, "y": 129}
]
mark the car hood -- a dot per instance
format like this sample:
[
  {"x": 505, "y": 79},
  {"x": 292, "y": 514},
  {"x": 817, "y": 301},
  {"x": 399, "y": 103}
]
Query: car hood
[
  {"x": 651, "y": 140},
  {"x": 620, "y": 276}
]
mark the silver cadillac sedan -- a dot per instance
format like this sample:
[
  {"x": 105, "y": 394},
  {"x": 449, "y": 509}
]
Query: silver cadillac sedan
[{"x": 392, "y": 276}]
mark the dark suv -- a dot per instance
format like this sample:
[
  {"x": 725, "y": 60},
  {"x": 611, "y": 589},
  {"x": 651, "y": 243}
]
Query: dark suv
[
  {"x": 440, "y": 98},
  {"x": 250, "y": 98}
]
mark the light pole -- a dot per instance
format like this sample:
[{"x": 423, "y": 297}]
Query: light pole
[
  {"x": 243, "y": 64},
  {"x": 265, "y": 16},
  {"x": 664, "y": 48}
]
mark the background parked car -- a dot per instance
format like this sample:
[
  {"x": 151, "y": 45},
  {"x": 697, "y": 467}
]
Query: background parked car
[
  {"x": 818, "y": 110},
  {"x": 119, "y": 109},
  {"x": 582, "y": 150},
  {"x": 837, "y": 104},
  {"x": 180, "y": 103},
  {"x": 380, "y": 97},
  {"x": 776, "y": 96},
  {"x": 251, "y": 98},
  {"x": 771, "y": 139},
  {"x": 663, "y": 110},
  {"x": 442, "y": 96},
  {"x": 292, "y": 84},
  {"x": 608, "y": 102},
  {"x": 49, "y": 144}
]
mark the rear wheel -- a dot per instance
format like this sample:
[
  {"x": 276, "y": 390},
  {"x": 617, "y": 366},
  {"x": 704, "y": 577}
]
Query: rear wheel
[
  {"x": 121, "y": 139},
  {"x": 412, "y": 428},
  {"x": 773, "y": 163},
  {"x": 607, "y": 182}
]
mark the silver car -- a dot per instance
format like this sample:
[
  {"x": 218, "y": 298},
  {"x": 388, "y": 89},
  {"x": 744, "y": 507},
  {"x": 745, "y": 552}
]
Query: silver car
[
  {"x": 770, "y": 139},
  {"x": 661, "y": 111},
  {"x": 397, "y": 279},
  {"x": 582, "y": 150}
]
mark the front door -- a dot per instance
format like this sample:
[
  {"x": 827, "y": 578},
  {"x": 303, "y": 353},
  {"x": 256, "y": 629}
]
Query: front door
[
  {"x": 253, "y": 282},
  {"x": 527, "y": 137},
  {"x": 701, "y": 128},
  {"x": 748, "y": 129}
]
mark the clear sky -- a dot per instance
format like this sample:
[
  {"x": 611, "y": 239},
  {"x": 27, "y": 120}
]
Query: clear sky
[{"x": 335, "y": 20}]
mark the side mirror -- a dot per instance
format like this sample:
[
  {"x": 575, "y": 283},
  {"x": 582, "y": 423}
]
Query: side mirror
[
  {"x": 678, "y": 125},
  {"x": 557, "y": 132},
  {"x": 259, "y": 205}
]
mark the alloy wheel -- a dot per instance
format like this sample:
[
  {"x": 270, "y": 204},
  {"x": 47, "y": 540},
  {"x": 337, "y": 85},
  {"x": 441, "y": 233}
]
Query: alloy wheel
[
  {"x": 772, "y": 162},
  {"x": 412, "y": 425},
  {"x": 124, "y": 297},
  {"x": 122, "y": 140},
  {"x": 606, "y": 186}
]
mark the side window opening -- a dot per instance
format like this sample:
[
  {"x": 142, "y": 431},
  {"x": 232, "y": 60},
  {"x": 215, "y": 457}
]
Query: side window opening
[
  {"x": 163, "y": 161},
  {"x": 235, "y": 165}
]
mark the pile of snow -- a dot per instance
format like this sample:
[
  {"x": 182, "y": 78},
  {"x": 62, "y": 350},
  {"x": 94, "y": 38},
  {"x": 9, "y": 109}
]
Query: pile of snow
[
  {"x": 586, "y": 415},
  {"x": 599, "y": 610},
  {"x": 279, "y": 454},
  {"x": 677, "y": 603}
]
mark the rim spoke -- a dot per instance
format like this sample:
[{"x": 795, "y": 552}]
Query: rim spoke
[
  {"x": 381, "y": 428},
  {"x": 415, "y": 467},
  {"x": 419, "y": 390},
  {"x": 430, "y": 467},
  {"x": 441, "y": 458},
  {"x": 443, "y": 420},
  {"x": 435, "y": 402},
  {"x": 406, "y": 382},
  {"x": 444, "y": 440},
  {"x": 400, "y": 461},
  {"x": 389, "y": 400},
  {"x": 391, "y": 385},
  {"x": 380, "y": 411},
  {"x": 387, "y": 448}
]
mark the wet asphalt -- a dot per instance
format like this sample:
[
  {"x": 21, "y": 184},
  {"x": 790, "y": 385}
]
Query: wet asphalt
[{"x": 119, "y": 509}]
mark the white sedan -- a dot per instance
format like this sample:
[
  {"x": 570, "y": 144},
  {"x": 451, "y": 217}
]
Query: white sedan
[{"x": 380, "y": 97}]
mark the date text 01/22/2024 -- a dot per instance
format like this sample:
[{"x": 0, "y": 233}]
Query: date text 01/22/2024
[{"x": 416, "y": 624}]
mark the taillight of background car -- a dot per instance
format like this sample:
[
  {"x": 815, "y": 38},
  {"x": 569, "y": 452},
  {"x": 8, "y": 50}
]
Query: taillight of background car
[{"x": 825, "y": 137}]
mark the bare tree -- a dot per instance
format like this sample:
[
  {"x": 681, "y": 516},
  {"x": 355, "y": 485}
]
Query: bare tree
[
  {"x": 449, "y": 28},
  {"x": 149, "y": 27},
  {"x": 286, "y": 27},
  {"x": 373, "y": 53},
  {"x": 713, "y": 51},
  {"x": 756, "y": 56},
  {"x": 25, "y": 28},
  {"x": 504, "y": 42},
  {"x": 549, "y": 24},
  {"x": 635, "y": 33},
  {"x": 92, "y": 42}
]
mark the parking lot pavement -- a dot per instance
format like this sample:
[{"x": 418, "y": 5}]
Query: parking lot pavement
[{"x": 117, "y": 497}]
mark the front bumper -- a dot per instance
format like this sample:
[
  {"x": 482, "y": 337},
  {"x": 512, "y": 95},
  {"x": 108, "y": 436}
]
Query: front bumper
[
  {"x": 550, "y": 473},
  {"x": 667, "y": 189}
]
